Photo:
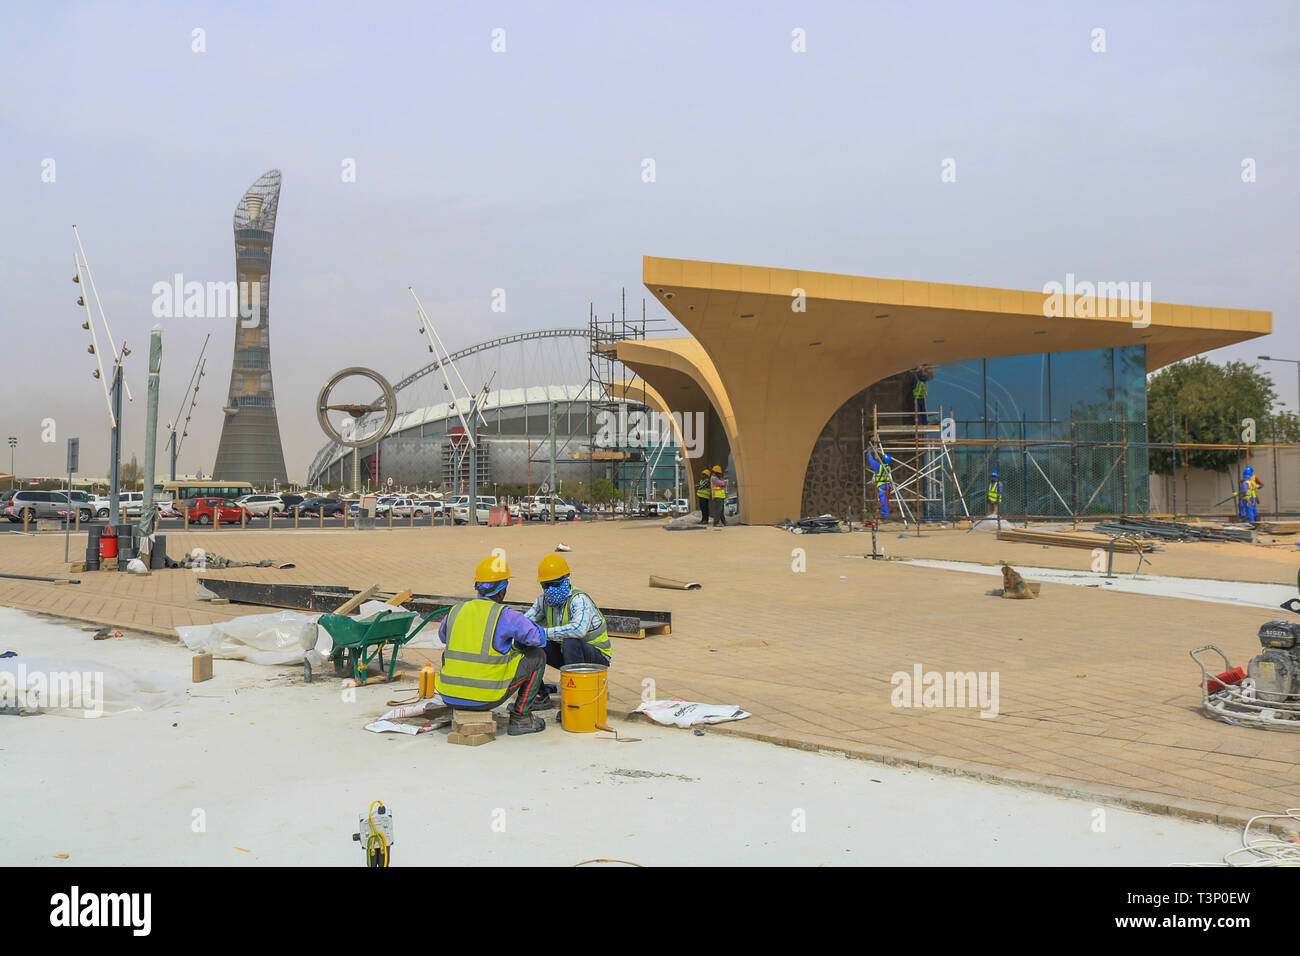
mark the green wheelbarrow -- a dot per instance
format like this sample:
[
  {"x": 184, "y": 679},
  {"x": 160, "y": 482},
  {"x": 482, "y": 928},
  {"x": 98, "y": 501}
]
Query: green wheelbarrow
[{"x": 360, "y": 641}]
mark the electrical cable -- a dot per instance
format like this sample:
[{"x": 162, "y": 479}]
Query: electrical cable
[
  {"x": 1264, "y": 851},
  {"x": 375, "y": 835}
]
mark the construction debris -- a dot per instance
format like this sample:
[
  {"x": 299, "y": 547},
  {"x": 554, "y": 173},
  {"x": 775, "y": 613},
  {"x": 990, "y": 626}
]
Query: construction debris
[
  {"x": 824, "y": 524},
  {"x": 1015, "y": 587},
  {"x": 206, "y": 560},
  {"x": 1076, "y": 539},
  {"x": 1133, "y": 526},
  {"x": 672, "y": 584},
  {"x": 1279, "y": 527}
]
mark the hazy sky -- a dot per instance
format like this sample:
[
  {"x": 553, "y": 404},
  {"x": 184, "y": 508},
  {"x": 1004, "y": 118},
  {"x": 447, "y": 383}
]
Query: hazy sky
[{"x": 522, "y": 170}]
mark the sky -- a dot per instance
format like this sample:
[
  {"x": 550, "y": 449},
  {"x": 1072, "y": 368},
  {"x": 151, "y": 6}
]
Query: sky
[{"x": 799, "y": 135}]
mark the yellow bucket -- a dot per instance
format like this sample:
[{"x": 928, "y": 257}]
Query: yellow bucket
[{"x": 583, "y": 697}]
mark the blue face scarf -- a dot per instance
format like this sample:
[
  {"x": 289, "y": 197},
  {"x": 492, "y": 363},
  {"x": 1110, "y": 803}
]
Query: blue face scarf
[
  {"x": 488, "y": 589},
  {"x": 557, "y": 592}
]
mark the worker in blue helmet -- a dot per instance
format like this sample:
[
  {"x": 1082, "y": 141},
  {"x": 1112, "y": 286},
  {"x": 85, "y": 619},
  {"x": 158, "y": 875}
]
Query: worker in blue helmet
[
  {"x": 883, "y": 480},
  {"x": 1248, "y": 498},
  {"x": 994, "y": 494}
]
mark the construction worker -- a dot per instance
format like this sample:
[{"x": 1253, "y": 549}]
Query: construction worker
[
  {"x": 572, "y": 624},
  {"x": 492, "y": 652},
  {"x": 994, "y": 492},
  {"x": 703, "y": 495},
  {"x": 920, "y": 390},
  {"x": 719, "y": 488},
  {"x": 1248, "y": 501},
  {"x": 883, "y": 480}
]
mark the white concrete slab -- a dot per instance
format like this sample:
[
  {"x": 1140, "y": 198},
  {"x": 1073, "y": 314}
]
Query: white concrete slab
[{"x": 277, "y": 770}]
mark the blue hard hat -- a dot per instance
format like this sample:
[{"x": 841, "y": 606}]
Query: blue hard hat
[
  {"x": 995, "y": 474},
  {"x": 1249, "y": 471},
  {"x": 888, "y": 459}
]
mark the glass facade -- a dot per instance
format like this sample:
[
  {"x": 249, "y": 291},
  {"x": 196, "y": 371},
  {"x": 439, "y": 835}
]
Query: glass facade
[{"x": 1065, "y": 417}]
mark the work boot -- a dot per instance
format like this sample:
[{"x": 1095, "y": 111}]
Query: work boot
[
  {"x": 525, "y": 724},
  {"x": 544, "y": 702}
]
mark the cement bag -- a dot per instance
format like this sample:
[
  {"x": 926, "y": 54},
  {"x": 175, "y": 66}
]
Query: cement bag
[
  {"x": 684, "y": 713},
  {"x": 79, "y": 688},
  {"x": 283, "y": 637}
]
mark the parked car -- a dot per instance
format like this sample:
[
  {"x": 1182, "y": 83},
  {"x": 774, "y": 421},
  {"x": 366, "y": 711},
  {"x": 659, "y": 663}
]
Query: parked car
[
  {"x": 206, "y": 510},
  {"x": 483, "y": 509},
  {"x": 680, "y": 506},
  {"x": 129, "y": 503},
  {"x": 40, "y": 504},
  {"x": 404, "y": 507},
  {"x": 657, "y": 508},
  {"x": 260, "y": 505},
  {"x": 731, "y": 507},
  {"x": 539, "y": 507},
  {"x": 315, "y": 507},
  {"x": 384, "y": 503},
  {"x": 287, "y": 503}
]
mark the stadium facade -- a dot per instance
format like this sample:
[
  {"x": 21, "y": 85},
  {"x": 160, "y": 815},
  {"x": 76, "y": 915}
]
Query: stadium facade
[{"x": 426, "y": 447}]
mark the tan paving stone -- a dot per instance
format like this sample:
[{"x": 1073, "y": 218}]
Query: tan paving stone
[{"x": 1085, "y": 705}]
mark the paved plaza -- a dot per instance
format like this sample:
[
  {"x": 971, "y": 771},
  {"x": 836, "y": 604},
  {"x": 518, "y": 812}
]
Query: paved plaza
[{"x": 1096, "y": 694}]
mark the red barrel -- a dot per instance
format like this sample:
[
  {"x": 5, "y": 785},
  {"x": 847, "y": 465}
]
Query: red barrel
[{"x": 107, "y": 544}]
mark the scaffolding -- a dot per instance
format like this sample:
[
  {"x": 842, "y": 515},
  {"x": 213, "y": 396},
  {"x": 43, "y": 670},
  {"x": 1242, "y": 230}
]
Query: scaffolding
[
  {"x": 922, "y": 468},
  {"x": 630, "y": 467}
]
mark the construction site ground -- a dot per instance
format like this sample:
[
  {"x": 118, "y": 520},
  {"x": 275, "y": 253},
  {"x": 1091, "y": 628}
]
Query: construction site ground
[{"x": 1098, "y": 698}]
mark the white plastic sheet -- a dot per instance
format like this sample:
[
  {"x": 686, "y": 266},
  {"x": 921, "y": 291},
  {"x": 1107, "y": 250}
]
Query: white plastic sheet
[
  {"x": 284, "y": 637},
  {"x": 685, "y": 713},
  {"x": 81, "y": 688}
]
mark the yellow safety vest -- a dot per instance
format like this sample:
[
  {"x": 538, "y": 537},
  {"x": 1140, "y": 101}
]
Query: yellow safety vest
[
  {"x": 720, "y": 491},
  {"x": 1253, "y": 488},
  {"x": 702, "y": 489},
  {"x": 994, "y": 495},
  {"x": 920, "y": 389},
  {"x": 884, "y": 476},
  {"x": 598, "y": 639},
  {"x": 472, "y": 669}
]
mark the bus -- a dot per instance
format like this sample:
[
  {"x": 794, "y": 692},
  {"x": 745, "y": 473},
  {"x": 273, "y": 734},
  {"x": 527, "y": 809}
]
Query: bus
[{"x": 169, "y": 492}]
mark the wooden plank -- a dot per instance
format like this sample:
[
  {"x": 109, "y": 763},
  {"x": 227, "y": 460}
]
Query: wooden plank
[
  {"x": 350, "y": 605},
  {"x": 399, "y": 599}
]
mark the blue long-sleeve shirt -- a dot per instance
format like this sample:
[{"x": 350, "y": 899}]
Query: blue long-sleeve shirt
[{"x": 583, "y": 616}]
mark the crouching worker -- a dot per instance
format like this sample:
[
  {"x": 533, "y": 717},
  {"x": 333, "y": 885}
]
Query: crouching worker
[
  {"x": 574, "y": 627},
  {"x": 493, "y": 651}
]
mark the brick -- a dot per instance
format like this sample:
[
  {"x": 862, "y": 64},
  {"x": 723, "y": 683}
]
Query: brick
[{"x": 201, "y": 668}]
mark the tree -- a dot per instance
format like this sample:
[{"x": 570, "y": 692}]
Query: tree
[
  {"x": 603, "y": 491},
  {"x": 1210, "y": 404}
]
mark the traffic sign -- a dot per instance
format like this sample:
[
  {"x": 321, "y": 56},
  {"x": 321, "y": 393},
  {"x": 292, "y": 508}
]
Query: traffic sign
[{"x": 390, "y": 481}]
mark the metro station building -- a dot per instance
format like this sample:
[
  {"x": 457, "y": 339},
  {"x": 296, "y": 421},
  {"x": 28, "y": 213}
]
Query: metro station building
[{"x": 793, "y": 369}]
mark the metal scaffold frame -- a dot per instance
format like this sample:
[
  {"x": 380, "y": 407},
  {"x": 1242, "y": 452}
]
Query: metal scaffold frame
[{"x": 920, "y": 435}]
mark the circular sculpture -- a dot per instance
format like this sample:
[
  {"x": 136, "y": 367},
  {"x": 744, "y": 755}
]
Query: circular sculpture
[{"x": 388, "y": 407}]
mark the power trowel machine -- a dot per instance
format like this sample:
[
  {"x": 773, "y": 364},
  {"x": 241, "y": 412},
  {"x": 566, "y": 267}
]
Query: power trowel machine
[{"x": 1266, "y": 693}]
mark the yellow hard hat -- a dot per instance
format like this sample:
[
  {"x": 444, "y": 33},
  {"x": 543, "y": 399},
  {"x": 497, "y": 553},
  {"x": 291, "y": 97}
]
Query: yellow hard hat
[
  {"x": 492, "y": 569},
  {"x": 552, "y": 568},
  {"x": 704, "y": 471},
  {"x": 718, "y": 469}
]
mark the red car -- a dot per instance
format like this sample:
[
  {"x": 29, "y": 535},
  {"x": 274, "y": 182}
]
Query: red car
[{"x": 202, "y": 509}]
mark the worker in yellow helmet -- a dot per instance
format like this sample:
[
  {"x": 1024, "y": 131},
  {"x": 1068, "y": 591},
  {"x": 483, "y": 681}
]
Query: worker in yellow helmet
[
  {"x": 574, "y": 627},
  {"x": 493, "y": 651},
  {"x": 719, "y": 489},
  {"x": 703, "y": 495}
]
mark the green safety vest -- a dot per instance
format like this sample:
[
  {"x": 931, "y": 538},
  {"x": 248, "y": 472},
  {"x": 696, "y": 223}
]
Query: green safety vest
[
  {"x": 598, "y": 639},
  {"x": 994, "y": 492},
  {"x": 884, "y": 476},
  {"x": 702, "y": 489},
  {"x": 920, "y": 389},
  {"x": 472, "y": 669}
]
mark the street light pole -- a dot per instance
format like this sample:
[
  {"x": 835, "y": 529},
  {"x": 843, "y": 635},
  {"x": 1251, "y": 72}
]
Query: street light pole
[
  {"x": 1296, "y": 363},
  {"x": 13, "y": 443}
]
